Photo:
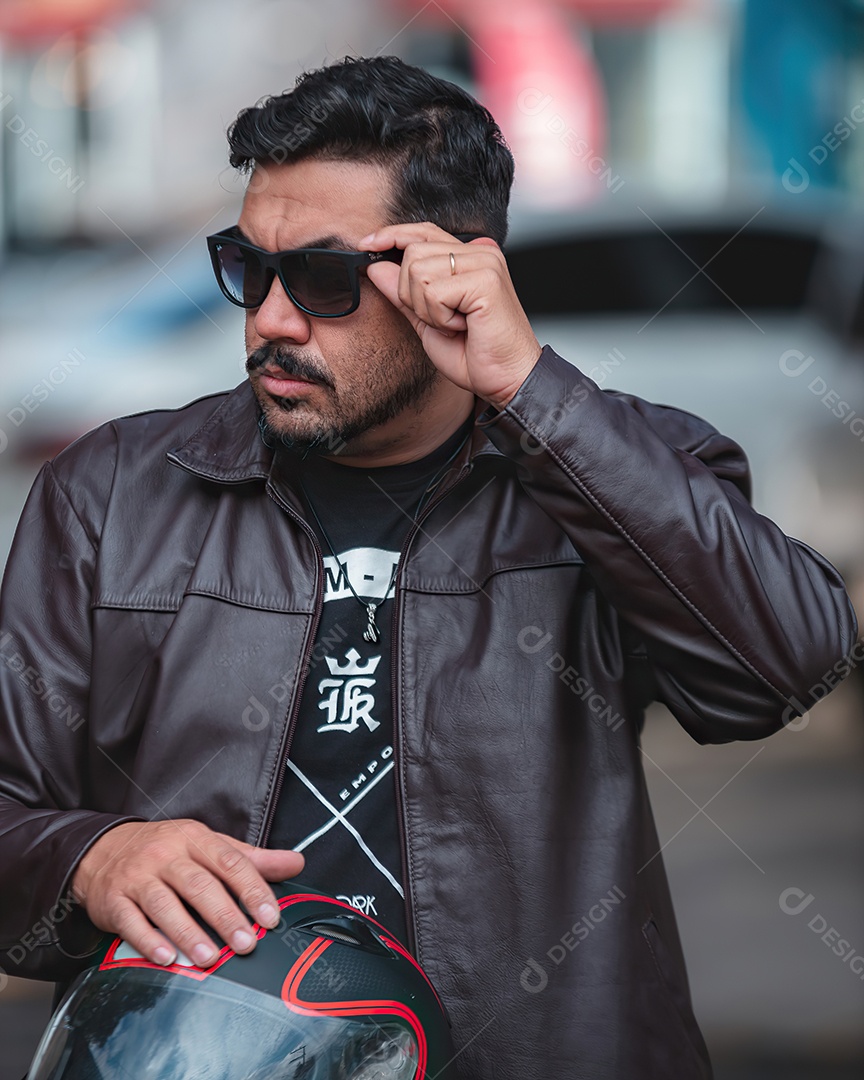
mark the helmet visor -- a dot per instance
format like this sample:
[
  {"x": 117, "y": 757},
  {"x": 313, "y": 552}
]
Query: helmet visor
[{"x": 147, "y": 1024}]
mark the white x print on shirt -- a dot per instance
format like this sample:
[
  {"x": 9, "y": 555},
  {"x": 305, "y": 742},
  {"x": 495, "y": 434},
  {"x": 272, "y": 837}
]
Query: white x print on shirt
[{"x": 340, "y": 817}]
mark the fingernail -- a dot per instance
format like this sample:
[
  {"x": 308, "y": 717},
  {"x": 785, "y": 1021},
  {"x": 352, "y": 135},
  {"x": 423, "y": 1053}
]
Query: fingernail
[
  {"x": 367, "y": 239},
  {"x": 163, "y": 956},
  {"x": 241, "y": 941},
  {"x": 268, "y": 916},
  {"x": 202, "y": 955}
]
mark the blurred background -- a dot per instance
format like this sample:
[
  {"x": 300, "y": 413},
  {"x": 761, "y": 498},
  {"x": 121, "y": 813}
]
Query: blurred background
[{"x": 687, "y": 225}]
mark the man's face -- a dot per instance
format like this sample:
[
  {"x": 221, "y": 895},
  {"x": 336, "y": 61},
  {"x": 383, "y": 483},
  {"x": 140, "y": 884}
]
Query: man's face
[{"x": 326, "y": 382}]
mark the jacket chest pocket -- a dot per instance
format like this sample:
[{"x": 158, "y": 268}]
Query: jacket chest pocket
[{"x": 192, "y": 706}]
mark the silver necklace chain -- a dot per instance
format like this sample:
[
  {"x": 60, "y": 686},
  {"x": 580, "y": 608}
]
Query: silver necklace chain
[{"x": 372, "y": 634}]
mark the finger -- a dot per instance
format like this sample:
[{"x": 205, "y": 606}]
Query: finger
[
  {"x": 272, "y": 865},
  {"x": 124, "y": 918},
  {"x": 395, "y": 281},
  {"x": 440, "y": 304},
  {"x": 429, "y": 262},
  {"x": 420, "y": 280},
  {"x": 401, "y": 235},
  {"x": 418, "y": 288},
  {"x": 228, "y": 861},
  {"x": 429, "y": 315},
  {"x": 416, "y": 308},
  {"x": 444, "y": 299},
  {"x": 409, "y": 276},
  {"x": 276, "y": 864},
  {"x": 217, "y": 907},
  {"x": 162, "y": 906},
  {"x": 386, "y": 278},
  {"x": 395, "y": 284}
]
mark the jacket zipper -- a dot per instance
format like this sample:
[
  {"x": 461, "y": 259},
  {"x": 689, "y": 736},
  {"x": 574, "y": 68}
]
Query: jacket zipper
[
  {"x": 285, "y": 748},
  {"x": 397, "y": 711}
]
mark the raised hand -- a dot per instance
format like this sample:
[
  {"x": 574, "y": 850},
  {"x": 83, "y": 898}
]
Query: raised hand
[{"x": 465, "y": 309}]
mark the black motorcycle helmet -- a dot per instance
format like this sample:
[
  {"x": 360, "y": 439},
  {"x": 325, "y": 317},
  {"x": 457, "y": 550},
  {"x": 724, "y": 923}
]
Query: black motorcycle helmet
[{"x": 327, "y": 995}]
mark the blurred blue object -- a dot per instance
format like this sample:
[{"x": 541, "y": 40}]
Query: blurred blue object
[{"x": 793, "y": 82}]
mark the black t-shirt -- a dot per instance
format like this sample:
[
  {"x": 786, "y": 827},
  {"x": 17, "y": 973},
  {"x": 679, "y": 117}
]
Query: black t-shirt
[{"x": 338, "y": 801}]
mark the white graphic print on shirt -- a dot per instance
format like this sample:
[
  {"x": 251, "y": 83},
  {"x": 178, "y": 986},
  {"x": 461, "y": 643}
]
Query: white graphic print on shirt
[
  {"x": 369, "y": 570},
  {"x": 362, "y": 902},
  {"x": 347, "y": 697},
  {"x": 347, "y": 703},
  {"x": 341, "y": 788}
]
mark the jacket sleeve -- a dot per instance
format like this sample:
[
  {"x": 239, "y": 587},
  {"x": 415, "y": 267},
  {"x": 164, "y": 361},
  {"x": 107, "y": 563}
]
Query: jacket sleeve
[
  {"x": 44, "y": 679},
  {"x": 738, "y": 620}
]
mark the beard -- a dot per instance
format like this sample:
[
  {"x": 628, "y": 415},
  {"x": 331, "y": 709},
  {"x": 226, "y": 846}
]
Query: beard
[{"x": 393, "y": 379}]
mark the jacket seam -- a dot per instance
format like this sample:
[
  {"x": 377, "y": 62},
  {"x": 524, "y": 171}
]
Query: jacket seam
[
  {"x": 691, "y": 607},
  {"x": 667, "y": 989},
  {"x": 651, "y": 949},
  {"x": 246, "y": 603},
  {"x": 477, "y": 586},
  {"x": 172, "y": 607},
  {"x": 180, "y": 408},
  {"x": 226, "y": 476},
  {"x": 66, "y": 498},
  {"x": 114, "y": 604}
]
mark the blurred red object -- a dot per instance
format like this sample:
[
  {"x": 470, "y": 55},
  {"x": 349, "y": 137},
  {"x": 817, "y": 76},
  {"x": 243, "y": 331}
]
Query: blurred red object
[
  {"x": 536, "y": 74},
  {"x": 538, "y": 79},
  {"x": 591, "y": 11},
  {"x": 25, "y": 21}
]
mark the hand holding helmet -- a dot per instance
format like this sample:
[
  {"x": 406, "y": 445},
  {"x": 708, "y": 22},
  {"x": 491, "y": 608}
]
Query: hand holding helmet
[{"x": 326, "y": 995}]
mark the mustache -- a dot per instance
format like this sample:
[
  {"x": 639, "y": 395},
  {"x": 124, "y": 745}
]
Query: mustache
[{"x": 290, "y": 362}]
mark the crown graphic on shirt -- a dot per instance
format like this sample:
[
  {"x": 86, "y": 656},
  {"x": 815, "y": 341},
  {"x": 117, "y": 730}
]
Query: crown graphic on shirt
[{"x": 352, "y": 667}]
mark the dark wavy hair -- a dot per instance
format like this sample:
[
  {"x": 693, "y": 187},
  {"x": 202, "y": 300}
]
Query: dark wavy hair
[{"x": 447, "y": 157}]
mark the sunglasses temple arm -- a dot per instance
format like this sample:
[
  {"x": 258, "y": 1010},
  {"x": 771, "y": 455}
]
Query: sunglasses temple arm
[{"x": 393, "y": 255}]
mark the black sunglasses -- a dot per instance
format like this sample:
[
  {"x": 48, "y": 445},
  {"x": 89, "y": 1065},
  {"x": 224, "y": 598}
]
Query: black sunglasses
[{"x": 320, "y": 281}]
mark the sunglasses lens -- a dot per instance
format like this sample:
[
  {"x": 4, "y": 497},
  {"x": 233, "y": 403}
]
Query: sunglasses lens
[
  {"x": 321, "y": 282},
  {"x": 241, "y": 274}
]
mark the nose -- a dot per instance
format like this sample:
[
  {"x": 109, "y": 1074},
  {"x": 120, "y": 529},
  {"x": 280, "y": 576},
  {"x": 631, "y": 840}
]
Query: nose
[{"x": 278, "y": 318}]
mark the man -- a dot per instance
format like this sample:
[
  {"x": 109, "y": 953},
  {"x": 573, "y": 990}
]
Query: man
[{"x": 398, "y": 602}]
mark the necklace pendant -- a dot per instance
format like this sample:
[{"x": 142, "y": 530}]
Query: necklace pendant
[{"x": 371, "y": 633}]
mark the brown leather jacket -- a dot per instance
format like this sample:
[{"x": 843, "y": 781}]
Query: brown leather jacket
[{"x": 589, "y": 553}]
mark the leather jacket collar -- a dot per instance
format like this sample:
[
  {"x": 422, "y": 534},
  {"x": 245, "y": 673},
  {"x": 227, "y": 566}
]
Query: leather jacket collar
[{"x": 228, "y": 448}]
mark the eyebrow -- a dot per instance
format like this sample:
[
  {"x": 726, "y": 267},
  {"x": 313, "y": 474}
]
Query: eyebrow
[{"x": 333, "y": 241}]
